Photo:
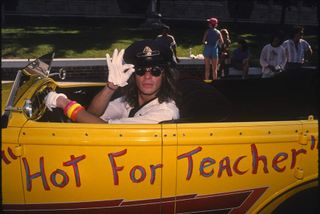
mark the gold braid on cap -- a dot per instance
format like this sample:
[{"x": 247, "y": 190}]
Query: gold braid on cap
[{"x": 148, "y": 52}]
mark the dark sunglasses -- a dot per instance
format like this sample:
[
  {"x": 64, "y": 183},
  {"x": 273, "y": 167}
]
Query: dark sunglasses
[{"x": 155, "y": 71}]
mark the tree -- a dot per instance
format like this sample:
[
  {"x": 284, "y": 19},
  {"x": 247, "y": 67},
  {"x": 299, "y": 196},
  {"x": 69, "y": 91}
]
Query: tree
[
  {"x": 286, "y": 6},
  {"x": 240, "y": 9}
]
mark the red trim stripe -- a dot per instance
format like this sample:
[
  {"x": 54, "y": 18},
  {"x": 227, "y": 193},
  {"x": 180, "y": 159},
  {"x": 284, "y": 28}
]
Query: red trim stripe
[{"x": 235, "y": 202}]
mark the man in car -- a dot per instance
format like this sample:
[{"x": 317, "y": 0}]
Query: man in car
[{"x": 149, "y": 95}]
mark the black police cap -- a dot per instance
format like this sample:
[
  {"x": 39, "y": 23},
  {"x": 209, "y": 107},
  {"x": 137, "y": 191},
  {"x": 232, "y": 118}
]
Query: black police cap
[{"x": 148, "y": 53}]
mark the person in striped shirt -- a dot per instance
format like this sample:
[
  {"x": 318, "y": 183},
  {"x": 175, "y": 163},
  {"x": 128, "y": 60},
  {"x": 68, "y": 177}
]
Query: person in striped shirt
[{"x": 297, "y": 49}]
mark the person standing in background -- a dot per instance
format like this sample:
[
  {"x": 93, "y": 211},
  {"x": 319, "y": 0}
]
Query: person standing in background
[
  {"x": 272, "y": 57},
  {"x": 169, "y": 40},
  {"x": 211, "y": 40},
  {"x": 296, "y": 49},
  {"x": 224, "y": 59}
]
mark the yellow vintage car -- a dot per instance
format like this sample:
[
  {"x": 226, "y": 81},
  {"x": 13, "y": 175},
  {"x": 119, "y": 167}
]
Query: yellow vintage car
[{"x": 241, "y": 146}]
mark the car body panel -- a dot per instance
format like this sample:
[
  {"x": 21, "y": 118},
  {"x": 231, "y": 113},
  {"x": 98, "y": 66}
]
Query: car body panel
[
  {"x": 12, "y": 185},
  {"x": 88, "y": 144},
  {"x": 49, "y": 176},
  {"x": 228, "y": 157}
]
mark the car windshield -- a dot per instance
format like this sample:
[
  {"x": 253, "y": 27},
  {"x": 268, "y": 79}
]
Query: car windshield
[{"x": 39, "y": 67}]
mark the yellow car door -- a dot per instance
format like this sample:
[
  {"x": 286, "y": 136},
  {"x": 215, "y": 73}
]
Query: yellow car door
[
  {"x": 11, "y": 150},
  {"x": 309, "y": 141},
  {"x": 239, "y": 167},
  {"x": 110, "y": 168}
]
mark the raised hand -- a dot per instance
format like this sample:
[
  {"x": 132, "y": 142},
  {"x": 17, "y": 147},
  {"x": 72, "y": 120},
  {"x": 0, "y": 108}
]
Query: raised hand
[{"x": 119, "y": 72}]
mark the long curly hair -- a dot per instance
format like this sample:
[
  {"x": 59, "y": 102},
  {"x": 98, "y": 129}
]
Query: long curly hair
[
  {"x": 167, "y": 92},
  {"x": 225, "y": 36}
]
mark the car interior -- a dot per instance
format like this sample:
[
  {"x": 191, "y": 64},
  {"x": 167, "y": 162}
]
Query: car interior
[{"x": 290, "y": 95}]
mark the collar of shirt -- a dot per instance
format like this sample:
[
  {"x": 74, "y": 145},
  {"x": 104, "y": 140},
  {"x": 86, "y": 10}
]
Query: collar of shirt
[{"x": 144, "y": 108}]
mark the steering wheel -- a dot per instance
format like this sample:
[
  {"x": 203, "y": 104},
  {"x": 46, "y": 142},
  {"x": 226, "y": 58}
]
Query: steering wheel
[
  {"x": 38, "y": 101},
  {"x": 39, "y": 110}
]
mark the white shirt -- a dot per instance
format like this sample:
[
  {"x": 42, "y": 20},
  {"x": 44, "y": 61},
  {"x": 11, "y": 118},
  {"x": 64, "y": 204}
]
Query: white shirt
[
  {"x": 153, "y": 112},
  {"x": 294, "y": 53},
  {"x": 274, "y": 56}
]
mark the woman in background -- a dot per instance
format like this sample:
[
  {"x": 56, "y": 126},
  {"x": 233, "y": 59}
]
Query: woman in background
[
  {"x": 211, "y": 39},
  {"x": 224, "y": 59}
]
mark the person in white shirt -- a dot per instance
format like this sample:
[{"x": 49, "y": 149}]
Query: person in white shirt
[
  {"x": 149, "y": 96},
  {"x": 297, "y": 49},
  {"x": 272, "y": 57}
]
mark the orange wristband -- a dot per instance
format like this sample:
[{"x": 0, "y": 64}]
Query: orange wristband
[
  {"x": 72, "y": 108},
  {"x": 65, "y": 110},
  {"x": 76, "y": 112}
]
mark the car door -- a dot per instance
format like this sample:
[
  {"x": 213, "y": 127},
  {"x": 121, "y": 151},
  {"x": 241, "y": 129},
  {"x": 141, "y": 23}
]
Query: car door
[
  {"x": 11, "y": 186},
  {"x": 88, "y": 167},
  {"x": 231, "y": 166},
  {"x": 11, "y": 151},
  {"x": 169, "y": 170},
  {"x": 309, "y": 141}
]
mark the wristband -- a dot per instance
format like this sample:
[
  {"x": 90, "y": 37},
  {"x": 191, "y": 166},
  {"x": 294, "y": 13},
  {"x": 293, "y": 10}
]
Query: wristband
[
  {"x": 72, "y": 108},
  {"x": 65, "y": 110},
  {"x": 76, "y": 112}
]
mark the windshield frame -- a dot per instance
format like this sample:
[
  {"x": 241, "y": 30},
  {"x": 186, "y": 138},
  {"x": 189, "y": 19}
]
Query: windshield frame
[{"x": 40, "y": 67}]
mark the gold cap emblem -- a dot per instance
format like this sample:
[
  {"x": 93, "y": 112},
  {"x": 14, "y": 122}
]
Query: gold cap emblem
[{"x": 147, "y": 51}]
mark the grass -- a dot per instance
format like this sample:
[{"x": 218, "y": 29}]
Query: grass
[{"x": 92, "y": 38}]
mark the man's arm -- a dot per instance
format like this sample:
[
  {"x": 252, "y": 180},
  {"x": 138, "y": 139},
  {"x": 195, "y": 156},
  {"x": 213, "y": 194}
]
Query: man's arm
[
  {"x": 82, "y": 116},
  {"x": 175, "y": 54},
  {"x": 283, "y": 58},
  {"x": 100, "y": 102},
  {"x": 285, "y": 47},
  {"x": 307, "y": 50},
  {"x": 263, "y": 57},
  {"x": 173, "y": 46},
  {"x": 118, "y": 76},
  {"x": 204, "y": 39},
  {"x": 96, "y": 108}
]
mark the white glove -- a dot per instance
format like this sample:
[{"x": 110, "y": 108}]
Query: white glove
[
  {"x": 51, "y": 99},
  {"x": 119, "y": 73}
]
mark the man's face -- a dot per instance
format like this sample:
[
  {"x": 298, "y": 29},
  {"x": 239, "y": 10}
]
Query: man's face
[
  {"x": 276, "y": 42},
  {"x": 298, "y": 36},
  {"x": 149, "y": 80}
]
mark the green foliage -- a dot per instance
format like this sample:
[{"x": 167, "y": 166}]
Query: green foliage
[{"x": 93, "y": 38}]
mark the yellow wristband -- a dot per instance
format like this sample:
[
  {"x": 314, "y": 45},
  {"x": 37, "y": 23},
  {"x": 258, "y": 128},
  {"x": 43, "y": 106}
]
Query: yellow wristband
[{"x": 72, "y": 108}]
